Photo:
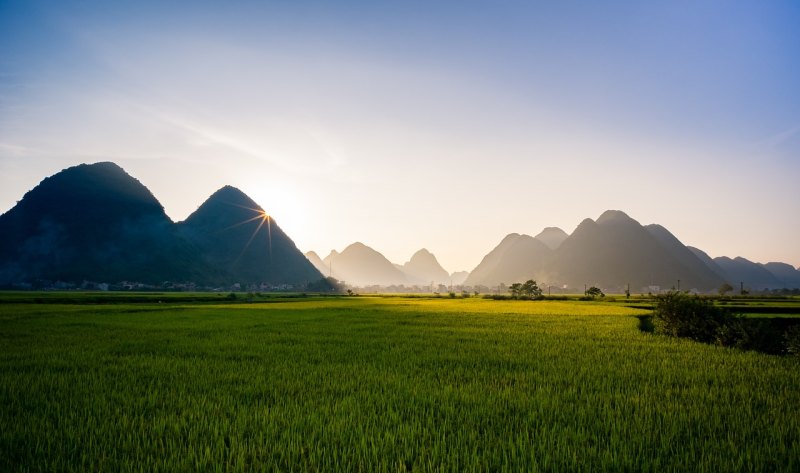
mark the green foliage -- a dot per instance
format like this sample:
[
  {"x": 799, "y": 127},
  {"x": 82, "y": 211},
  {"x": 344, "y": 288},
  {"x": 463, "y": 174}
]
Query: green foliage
[
  {"x": 381, "y": 384},
  {"x": 724, "y": 289},
  {"x": 527, "y": 290},
  {"x": 681, "y": 315},
  {"x": 792, "y": 337},
  {"x": 595, "y": 292}
]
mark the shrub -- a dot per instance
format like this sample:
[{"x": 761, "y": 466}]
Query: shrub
[
  {"x": 595, "y": 292},
  {"x": 792, "y": 339},
  {"x": 735, "y": 332},
  {"x": 681, "y": 315}
]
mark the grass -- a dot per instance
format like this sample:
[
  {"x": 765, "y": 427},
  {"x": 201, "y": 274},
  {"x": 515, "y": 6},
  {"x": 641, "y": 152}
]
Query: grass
[{"x": 382, "y": 384}]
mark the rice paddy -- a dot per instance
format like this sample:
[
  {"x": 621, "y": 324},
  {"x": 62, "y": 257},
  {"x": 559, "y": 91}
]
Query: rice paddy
[{"x": 381, "y": 384}]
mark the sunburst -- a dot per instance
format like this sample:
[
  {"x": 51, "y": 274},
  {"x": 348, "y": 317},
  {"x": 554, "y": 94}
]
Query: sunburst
[{"x": 262, "y": 218}]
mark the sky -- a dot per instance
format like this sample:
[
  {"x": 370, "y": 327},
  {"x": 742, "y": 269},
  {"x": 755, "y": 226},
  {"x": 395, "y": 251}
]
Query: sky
[{"x": 403, "y": 125}]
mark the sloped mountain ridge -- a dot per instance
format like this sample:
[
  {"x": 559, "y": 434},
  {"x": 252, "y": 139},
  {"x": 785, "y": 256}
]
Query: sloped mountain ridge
[
  {"x": 617, "y": 252},
  {"x": 95, "y": 222}
]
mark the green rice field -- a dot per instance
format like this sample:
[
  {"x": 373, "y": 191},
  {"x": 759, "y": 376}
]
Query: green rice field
[{"x": 373, "y": 384}]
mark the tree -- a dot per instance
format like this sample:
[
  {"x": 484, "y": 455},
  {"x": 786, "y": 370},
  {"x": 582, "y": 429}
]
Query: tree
[
  {"x": 531, "y": 289},
  {"x": 516, "y": 290},
  {"x": 681, "y": 315},
  {"x": 594, "y": 292},
  {"x": 725, "y": 288}
]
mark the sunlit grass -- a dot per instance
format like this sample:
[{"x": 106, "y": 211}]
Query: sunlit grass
[{"x": 382, "y": 384}]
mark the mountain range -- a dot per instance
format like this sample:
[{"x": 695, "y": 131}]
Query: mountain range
[
  {"x": 360, "y": 265},
  {"x": 616, "y": 252},
  {"x": 95, "y": 222}
]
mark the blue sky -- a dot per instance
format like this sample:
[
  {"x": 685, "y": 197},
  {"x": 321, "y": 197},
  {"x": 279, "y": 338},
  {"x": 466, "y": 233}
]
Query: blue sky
[{"x": 413, "y": 124}]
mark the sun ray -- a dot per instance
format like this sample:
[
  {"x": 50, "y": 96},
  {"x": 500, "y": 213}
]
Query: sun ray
[
  {"x": 263, "y": 217},
  {"x": 257, "y": 217}
]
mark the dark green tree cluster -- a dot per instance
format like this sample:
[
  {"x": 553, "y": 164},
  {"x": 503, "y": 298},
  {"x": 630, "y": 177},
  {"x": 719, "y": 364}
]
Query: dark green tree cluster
[
  {"x": 681, "y": 315},
  {"x": 595, "y": 292},
  {"x": 527, "y": 290}
]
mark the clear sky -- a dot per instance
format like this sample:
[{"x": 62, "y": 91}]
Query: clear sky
[{"x": 443, "y": 125}]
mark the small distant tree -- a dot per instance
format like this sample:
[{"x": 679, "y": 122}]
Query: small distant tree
[
  {"x": 595, "y": 291},
  {"x": 724, "y": 289},
  {"x": 530, "y": 289},
  {"x": 516, "y": 290}
]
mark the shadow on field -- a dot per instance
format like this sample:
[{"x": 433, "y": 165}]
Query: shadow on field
[
  {"x": 773, "y": 336},
  {"x": 646, "y": 323}
]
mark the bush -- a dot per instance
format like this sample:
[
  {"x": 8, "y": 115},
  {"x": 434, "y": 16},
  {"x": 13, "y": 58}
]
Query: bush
[
  {"x": 681, "y": 315},
  {"x": 735, "y": 332},
  {"x": 792, "y": 340}
]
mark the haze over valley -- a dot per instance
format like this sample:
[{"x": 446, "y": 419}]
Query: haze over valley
[
  {"x": 406, "y": 130},
  {"x": 414, "y": 236},
  {"x": 96, "y": 225}
]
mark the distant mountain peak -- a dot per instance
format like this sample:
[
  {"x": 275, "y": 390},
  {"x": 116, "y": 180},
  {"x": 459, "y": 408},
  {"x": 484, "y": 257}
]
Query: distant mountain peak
[
  {"x": 360, "y": 265},
  {"x": 105, "y": 165},
  {"x": 422, "y": 255},
  {"x": 424, "y": 267},
  {"x": 613, "y": 216},
  {"x": 509, "y": 237},
  {"x": 357, "y": 246},
  {"x": 314, "y": 258},
  {"x": 552, "y": 237},
  {"x": 233, "y": 196}
]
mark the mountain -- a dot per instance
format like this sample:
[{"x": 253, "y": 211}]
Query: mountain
[
  {"x": 616, "y": 250},
  {"x": 490, "y": 262},
  {"x": 786, "y": 274},
  {"x": 753, "y": 275},
  {"x": 424, "y": 267},
  {"x": 708, "y": 261},
  {"x": 459, "y": 277},
  {"x": 93, "y": 222},
  {"x": 360, "y": 265},
  {"x": 516, "y": 259},
  {"x": 553, "y": 237},
  {"x": 702, "y": 274},
  {"x": 236, "y": 235},
  {"x": 314, "y": 258}
]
